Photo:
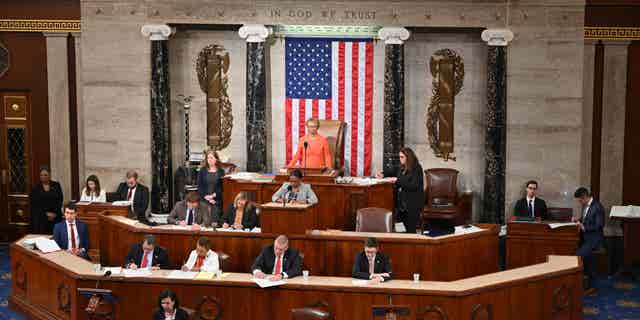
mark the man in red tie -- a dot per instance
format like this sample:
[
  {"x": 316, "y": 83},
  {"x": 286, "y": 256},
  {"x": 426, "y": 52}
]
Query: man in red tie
[
  {"x": 147, "y": 255},
  {"x": 278, "y": 261},
  {"x": 72, "y": 234},
  {"x": 136, "y": 193}
]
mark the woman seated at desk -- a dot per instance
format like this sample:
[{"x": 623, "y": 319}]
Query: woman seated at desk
[
  {"x": 317, "y": 153},
  {"x": 241, "y": 214},
  {"x": 92, "y": 191},
  {"x": 202, "y": 258},
  {"x": 295, "y": 191}
]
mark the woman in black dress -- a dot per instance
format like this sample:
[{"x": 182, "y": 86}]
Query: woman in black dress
[
  {"x": 210, "y": 185},
  {"x": 46, "y": 203},
  {"x": 409, "y": 185},
  {"x": 169, "y": 307}
]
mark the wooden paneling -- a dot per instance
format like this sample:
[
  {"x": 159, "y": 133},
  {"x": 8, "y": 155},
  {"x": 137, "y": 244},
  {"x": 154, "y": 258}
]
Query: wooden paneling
[
  {"x": 40, "y": 9},
  {"x": 337, "y": 204},
  {"x": 531, "y": 243},
  {"x": 608, "y": 13},
  {"x": 490, "y": 297},
  {"x": 288, "y": 219},
  {"x": 88, "y": 213},
  {"x": 444, "y": 259},
  {"x": 631, "y": 169}
]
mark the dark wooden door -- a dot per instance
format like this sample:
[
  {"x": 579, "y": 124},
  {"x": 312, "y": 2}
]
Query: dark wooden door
[
  {"x": 15, "y": 163},
  {"x": 631, "y": 169}
]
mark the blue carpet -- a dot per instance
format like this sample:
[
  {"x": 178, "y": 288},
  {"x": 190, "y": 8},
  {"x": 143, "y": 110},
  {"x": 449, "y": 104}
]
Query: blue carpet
[{"x": 617, "y": 298}]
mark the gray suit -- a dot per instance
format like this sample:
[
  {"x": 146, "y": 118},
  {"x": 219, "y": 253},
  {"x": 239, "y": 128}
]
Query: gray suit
[
  {"x": 179, "y": 213},
  {"x": 304, "y": 193}
]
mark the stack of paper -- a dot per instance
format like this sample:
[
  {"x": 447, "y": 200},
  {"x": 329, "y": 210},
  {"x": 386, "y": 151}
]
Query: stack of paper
[
  {"x": 266, "y": 283},
  {"x": 179, "y": 274},
  {"x": 561, "y": 224},
  {"x": 121, "y": 203},
  {"x": 114, "y": 270},
  {"x": 46, "y": 245},
  {"x": 625, "y": 211},
  {"x": 137, "y": 273}
]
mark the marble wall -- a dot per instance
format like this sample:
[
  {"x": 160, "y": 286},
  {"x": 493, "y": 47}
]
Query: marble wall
[{"x": 545, "y": 107}]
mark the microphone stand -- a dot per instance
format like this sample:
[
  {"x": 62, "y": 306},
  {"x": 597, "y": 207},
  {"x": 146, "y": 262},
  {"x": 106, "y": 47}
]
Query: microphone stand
[{"x": 306, "y": 145}]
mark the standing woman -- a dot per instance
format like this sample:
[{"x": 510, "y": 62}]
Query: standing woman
[
  {"x": 169, "y": 307},
  {"x": 46, "y": 203},
  {"x": 92, "y": 191},
  {"x": 409, "y": 185},
  {"x": 210, "y": 184}
]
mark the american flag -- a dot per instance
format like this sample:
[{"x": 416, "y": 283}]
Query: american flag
[{"x": 331, "y": 79}]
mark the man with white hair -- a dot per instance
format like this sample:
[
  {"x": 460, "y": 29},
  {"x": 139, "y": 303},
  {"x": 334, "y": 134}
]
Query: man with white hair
[{"x": 277, "y": 261}]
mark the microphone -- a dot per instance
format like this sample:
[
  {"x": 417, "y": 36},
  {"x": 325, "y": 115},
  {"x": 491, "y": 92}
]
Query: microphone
[
  {"x": 286, "y": 195},
  {"x": 106, "y": 274},
  {"x": 306, "y": 145}
]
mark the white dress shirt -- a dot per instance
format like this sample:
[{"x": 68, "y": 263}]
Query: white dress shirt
[
  {"x": 133, "y": 195},
  {"x": 77, "y": 236},
  {"x": 586, "y": 209},
  {"x": 102, "y": 197},
  {"x": 210, "y": 263}
]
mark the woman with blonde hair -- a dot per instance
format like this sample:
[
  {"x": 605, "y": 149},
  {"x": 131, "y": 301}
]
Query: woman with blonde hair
[
  {"x": 210, "y": 184},
  {"x": 241, "y": 214}
]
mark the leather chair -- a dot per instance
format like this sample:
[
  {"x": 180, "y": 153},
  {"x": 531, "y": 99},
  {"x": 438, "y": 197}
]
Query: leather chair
[
  {"x": 442, "y": 200},
  {"x": 224, "y": 260},
  {"x": 560, "y": 214},
  {"x": 228, "y": 167},
  {"x": 374, "y": 220},
  {"x": 333, "y": 130},
  {"x": 316, "y": 311}
]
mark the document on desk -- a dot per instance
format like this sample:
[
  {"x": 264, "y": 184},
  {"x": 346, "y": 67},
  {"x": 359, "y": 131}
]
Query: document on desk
[
  {"x": 266, "y": 283},
  {"x": 114, "y": 270},
  {"x": 121, "y": 203},
  {"x": 137, "y": 273},
  {"x": 561, "y": 224},
  {"x": 46, "y": 245},
  {"x": 625, "y": 211},
  {"x": 179, "y": 274},
  {"x": 359, "y": 282}
]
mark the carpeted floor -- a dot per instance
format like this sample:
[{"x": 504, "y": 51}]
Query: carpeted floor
[{"x": 617, "y": 298}]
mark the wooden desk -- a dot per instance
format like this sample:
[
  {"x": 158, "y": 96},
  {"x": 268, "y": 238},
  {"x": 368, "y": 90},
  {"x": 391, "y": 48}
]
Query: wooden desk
[
  {"x": 88, "y": 213},
  {"x": 631, "y": 233},
  {"x": 531, "y": 243},
  {"x": 328, "y": 253},
  {"x": 44, "y": 286},
  {"x": 287, "y": 219},
  {"x": 337, "y": 204}
]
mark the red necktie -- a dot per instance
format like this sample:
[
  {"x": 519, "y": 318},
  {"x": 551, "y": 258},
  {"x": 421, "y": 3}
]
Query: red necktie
[
  {"x": 129, "y": 194},
  {"x": 278, "y": 267},
  {"x": 199, "y": 262},
  {"x": 144, "y": 261},
  {"x": 73, "y": 236}
]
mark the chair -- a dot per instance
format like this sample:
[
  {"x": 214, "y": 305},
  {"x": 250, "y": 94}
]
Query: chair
[
  {"x": 442, "y": 200},
  {"x": 224, "y": 260},
  {"x": 374, "y": 220},
  {"x": 228, "y": 167},
  {"x": 316, "y": 311},
  {"x": 560, "y": 214},
  {"x": 333, "y": 130}
]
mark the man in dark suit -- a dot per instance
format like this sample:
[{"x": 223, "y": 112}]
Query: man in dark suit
[
  {"x": 277, "y": 261},
  {"x": 135, "y": 192},
  {"x": 531, "y": 205},
  {"x": 371, "y": 264},
  {"x": 72, "y": 234},
  {"x": 591, "y": 223},
  {"x": 147, "y": 255},
  {"x": 190, "y": 212}
]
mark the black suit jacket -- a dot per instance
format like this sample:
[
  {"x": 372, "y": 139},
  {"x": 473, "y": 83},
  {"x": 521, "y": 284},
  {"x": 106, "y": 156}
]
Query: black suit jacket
[
  {"x": 360, "y": 268},
  {"x": 180, "y": 315},
  {"x": 140, "y": 199},
  {"x": 203, "y": 186},
  {"x": 593, "y": 223},
  {"x": 160, "y": 257},
  {"x": 291, "y": 262},
  {"x": 409, "y": 189},
  {"x": 249, "y": 217},
  {"x": 539, "y": 208}
]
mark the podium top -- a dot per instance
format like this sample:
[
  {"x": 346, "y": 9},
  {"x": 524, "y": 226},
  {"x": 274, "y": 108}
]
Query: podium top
[{"x": 278, "y": 205}]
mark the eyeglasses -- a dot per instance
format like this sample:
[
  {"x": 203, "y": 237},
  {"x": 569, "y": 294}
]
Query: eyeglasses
[{"x": 532, "y": 188}]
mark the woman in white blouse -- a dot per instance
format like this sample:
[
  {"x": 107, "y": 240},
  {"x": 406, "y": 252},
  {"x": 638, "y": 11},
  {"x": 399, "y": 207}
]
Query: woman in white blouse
[
  {"x": 92, "y": 191},
  {"x": 202, "y": 258}
]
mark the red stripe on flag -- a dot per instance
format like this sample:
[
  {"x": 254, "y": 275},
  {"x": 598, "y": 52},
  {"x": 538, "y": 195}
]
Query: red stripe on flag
[
  {"x": 354, "y": 108},
  {"x": 327, "y": 109},
  {"x": 314, "y": 108},
  {"x": 287, "y": 121},
  {"x": 341, "y": 81},
  {"x": 368, "y": 108},
  {"x": 302, "y": 108}
]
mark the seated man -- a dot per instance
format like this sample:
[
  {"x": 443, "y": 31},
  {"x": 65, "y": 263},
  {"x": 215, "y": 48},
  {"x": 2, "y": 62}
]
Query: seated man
[
  {"x": 295, "y": 191},
  {"x": 147, "y": 255},
  {"x": 202, "y": 258},
  {"x": 531, "y": 205},
  {"x": 72, "y": 234},
  {"x": 190, "y": 212},
  {"x": 591, "y": 225},
  {"x": 136, "y": 193},
  {"x": 371, "y": 264},
  {"x": 277, "y": 261}
]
